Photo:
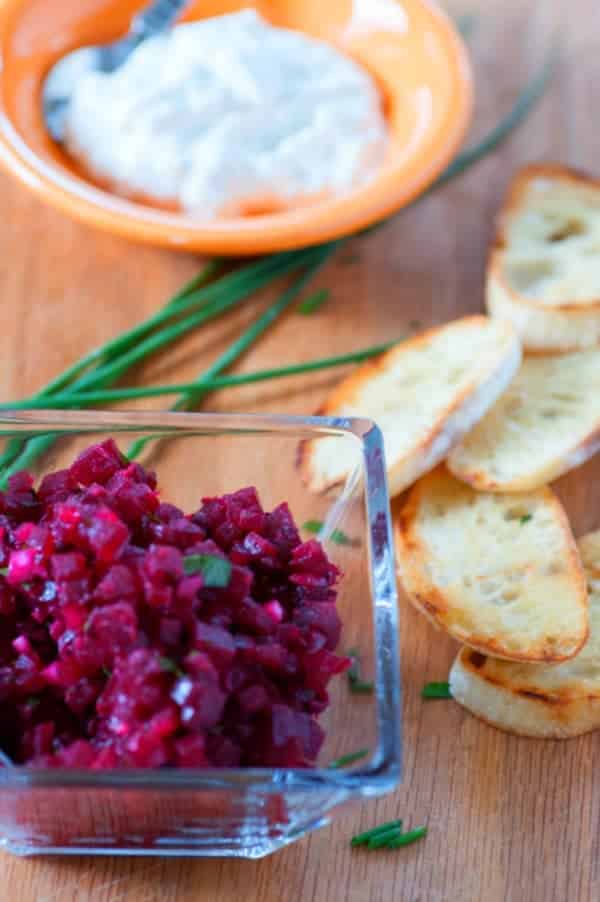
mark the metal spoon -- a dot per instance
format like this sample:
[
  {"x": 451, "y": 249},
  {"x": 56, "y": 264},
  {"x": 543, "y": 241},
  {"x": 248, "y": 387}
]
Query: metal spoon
[{"x": 64, "y": 75}]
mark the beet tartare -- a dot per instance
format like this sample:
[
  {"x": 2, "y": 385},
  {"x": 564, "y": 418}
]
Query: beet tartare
[{"x": 134, "y": 635}]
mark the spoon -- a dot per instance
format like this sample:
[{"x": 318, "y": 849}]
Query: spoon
[{"x": 64, "y": 75}]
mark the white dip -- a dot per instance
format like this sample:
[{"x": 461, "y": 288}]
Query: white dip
[{"x": 229, "y": 109}]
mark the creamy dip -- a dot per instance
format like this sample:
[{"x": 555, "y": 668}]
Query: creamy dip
[{"x": 214, "y": 114}]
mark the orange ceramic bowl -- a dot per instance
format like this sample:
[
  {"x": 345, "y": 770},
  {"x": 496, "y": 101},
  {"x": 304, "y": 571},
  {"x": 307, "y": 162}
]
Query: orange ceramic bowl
[{"x": 408, "y": 45}]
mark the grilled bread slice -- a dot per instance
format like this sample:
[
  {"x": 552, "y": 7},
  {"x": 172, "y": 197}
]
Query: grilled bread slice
[
  {"x": 547, "y": 422},
  {"x": 501, "y": 573},
  {"x": 425, "y": 394},
  {"x": 553, "y": 702},
  {"x": 544, "y": 271}
]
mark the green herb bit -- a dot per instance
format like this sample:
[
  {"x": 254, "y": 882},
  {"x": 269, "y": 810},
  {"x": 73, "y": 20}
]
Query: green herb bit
[
  {"x": 345, "y": 760},
  {"x": 33, "y": 701},
  {"x": 525, "y": 519},
  {"x": 406, "y": 839},
  {"x": 363, "y": 838},
  {"x": 107, "y": 673},
  {"x": 384, "y": 838},
  {"x": 4, "y": 571},
  {"x": 337, "y": 536},
  {"x": 436, "y": 690},
  {"x": 169, "y": 665},
  {"x": 314, "y": 302},
  {"x": 216, "y": 571},
  {"x": 357, "y": 685}
]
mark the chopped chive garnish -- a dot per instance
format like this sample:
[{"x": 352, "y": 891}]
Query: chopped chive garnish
[
  {"x": 436, "y": 690},
  {"x": 170, "y": 665},
  {"x": 33, "y": 701},
  {"x": 337, "y": 536},
  {"x": 345, "y": 760},
  {"x": 216, "y": 571},
  {"x": 314, "y": 302},
  {"x": 3, "y": 571},
  {"x": 525, "y": 519},
  {"x": 107, "y": 673},
  {"x": 363, "y": 838},
  {"x": 385, "y": 837},
  {"x": 356, "y": 683},
  {"x": 406, "y": 839}
]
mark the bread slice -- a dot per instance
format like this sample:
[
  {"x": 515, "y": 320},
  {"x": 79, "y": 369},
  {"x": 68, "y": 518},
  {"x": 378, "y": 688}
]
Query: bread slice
[
  {"x": 547, "y": 422},
  {"x": 553, "y": 702},
  {"x": 425, "y": 394},
  {"x": 501, "y": 573},
  {"x": 544, "y": 271}
]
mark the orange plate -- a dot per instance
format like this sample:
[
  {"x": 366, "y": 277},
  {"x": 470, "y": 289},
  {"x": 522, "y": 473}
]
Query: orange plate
[{"x": 408, "y": 45}]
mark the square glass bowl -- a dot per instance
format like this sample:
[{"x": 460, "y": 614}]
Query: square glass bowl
[{"x": 238, "y": 812}]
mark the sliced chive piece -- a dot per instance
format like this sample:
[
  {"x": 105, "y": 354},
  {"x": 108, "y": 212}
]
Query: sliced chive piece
[
  {"x": 356, "y": 684},
  {"x": 363, "y": 838},
  {"x": 170, "y": 666},
  {"x": 337, "y": 536},
  {"x": 406, "y": 839},
  {"x": 525, "y": 519},
  {"x": 436, "y": 690},
  {"x": 216, "y": 571},
  {"x": 3, "y": 571},
  {"x": 384, "y": 837},
  {"x": 345, "y": 760},
  {"x": 314, "y": 302}
]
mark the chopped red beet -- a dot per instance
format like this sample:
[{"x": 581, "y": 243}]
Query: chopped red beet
[{"x": 115, "y": 652}]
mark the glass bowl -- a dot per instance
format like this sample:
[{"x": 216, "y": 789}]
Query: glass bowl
[{"x": 238, "y": 812}]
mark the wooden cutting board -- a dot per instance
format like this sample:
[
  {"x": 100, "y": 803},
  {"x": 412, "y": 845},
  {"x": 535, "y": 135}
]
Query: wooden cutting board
[{"x": 510, "y": 820}]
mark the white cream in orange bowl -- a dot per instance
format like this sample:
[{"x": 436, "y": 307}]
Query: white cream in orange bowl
[{"x": 408, "y": 50}]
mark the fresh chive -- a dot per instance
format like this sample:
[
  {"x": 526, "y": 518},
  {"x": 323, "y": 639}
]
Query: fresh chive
[
  {"x": 363, "y": 838},
  {"x": 320, "y": 255},
  {"x": 122, "y": 394},
  {"x": 384, "y": 838},
  {"x": 216, "y": 571},
  {"x": 337, "y": 536},
  {"x": 170, "y": 666},
  {"x": 107, "y": 673},
  {"x": 525, "y": 519},
  {"x": 356, "y": 684},
  {"x": 3, "y": 571},
  {"x": 406, "y": 839},
  {"x": 33, "y": 701},
  {"x": 436, "y": 690},
  {"x": 345, "y": 760},
  {"x": 314, "y": 302}
]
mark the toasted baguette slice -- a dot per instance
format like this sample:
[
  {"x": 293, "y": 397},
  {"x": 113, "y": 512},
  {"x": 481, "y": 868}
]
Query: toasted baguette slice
[
  {"x": 544, "y": 271},
  {"x": 547, "y": 422},
  {"x": 425, "y": 394},
  {"x": 501, "y": 573},
  {"x": 554, "y": 702}
]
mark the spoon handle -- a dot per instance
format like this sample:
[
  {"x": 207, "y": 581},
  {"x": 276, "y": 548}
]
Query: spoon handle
[{"x": 157, "y": 16}]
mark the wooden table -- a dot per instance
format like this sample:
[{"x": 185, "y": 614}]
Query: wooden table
[{"x": 510, "y": 820}]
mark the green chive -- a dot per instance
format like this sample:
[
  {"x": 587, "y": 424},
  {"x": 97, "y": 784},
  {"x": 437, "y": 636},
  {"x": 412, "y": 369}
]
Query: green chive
[
  {"x": 107, "y": 673},
  {"x": 337, "y": 536},
  {"x": 75, "y": 399},
  {"x": 436, "y": 690},
  {"x": 384, "y": 838},
  {"x": 314, "y": 302},
  {"x": 356, "y": 684},
  {"x": 169, "y": 665},
  {"x": 33, "y": 701},
  {"x": 4, "y": 571},
  {"x": 216, "y": 571},
  {"x": 345, "y": 760},
  {"x": 363, "y": 838},
  {"x": 525, "y": 519},
  {"x": 406, "y": 839}
]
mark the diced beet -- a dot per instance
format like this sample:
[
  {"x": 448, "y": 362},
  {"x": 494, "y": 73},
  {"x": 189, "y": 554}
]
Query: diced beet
[
  {"x": 112, "y": 656},
  {"x": 97, "y": 463}
]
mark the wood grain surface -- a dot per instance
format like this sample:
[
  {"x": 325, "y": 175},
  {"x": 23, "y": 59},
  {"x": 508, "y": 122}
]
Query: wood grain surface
[{"x": 510, "y": 820}]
